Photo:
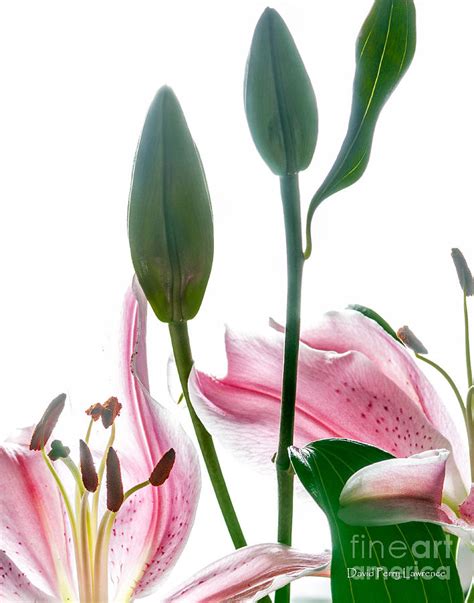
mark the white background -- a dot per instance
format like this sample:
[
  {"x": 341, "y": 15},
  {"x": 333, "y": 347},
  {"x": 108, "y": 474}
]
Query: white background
[{"x": 77, "y": 79}]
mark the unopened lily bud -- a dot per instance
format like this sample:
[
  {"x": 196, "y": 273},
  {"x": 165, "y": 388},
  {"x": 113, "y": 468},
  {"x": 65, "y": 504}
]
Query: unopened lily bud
[
  {"x": 169, "y": 214},
  {"x": 110, "y": 411},
  {"x": 114, "y": 482},
  {"x": 279, "y": 99},
  {"x": 89, "y": 475},
  {"x": 163, "y": 468},
  {"x": 44, "y": 428},
  {"x": 58, "y": 451},
  {"x": 464, "y": 274},
  {"x": 406, "y": 335}
]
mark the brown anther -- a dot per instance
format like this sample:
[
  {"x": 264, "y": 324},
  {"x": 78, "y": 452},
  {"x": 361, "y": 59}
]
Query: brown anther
[
  {"x": 162, "y": 470},
  {"x": 110, "y": 411},
  {"x": 114, "y": 482},
  {"x": 409, "y": 338},
  {"x": 95, "y": 411},
  {"x": 88, "y": 472},
  {"x": 47, "y": 423}
]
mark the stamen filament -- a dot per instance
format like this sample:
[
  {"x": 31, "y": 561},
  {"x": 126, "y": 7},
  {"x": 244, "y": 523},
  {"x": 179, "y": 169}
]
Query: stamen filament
[
  {"x": 448, "y": 379},
  {"x": 71, "y": 517},
  {"x": 100, "y": 474},
  {"x": 89, "y": 431},
  {"x": 86, "y": 551},
  {"x": 76, "y": 474},
  {"x": 101, "y": 558},
  {"x": 131, "y": 491}
]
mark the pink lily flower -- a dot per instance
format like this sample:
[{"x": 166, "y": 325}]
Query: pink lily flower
[
  {"x": 355, "y": 381},
  {"x": 53, "y": 551}
]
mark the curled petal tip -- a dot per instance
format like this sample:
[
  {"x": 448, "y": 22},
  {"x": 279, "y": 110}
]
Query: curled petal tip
[
  {"x": 47, "y": 423},
  {"x": 163, "y": 468},
  {"x": 114, "y": 482}
]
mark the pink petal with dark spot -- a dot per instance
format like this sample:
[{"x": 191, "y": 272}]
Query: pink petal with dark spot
[
  {"x": 339, "y": 395},
  {"x": 249, "y": 574},
  {"x": 32, "y": 521},
  {"x": 16, "y": 586},
  {"x": 153, "y": 525},
  {"x": 351, "y": 330}
]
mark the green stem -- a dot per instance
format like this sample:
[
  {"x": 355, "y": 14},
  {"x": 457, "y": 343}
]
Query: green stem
[
  {"x": 184, "y": 363},
  {"x": 467, "y": 343},
  {"x": 448, "y": 379},
  {"x": 470, "y": 427},
  {"x": 295, "y": 260},
  {"x": 470, "y": 598}
]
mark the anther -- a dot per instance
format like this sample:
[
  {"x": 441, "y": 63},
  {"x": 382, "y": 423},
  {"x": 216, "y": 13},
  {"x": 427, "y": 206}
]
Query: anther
[
  {"x": 47, "y": 423},
  {"x": 406, "y": 335},
  {"x": 88, "y": 472},
  {"x": 114, "y": 482},
  {"x": 110, "y": 411},
  {"x": 464, "y": 274},
  {"x": 95, "y": 411},
  {"x": 163, "y": 468}
]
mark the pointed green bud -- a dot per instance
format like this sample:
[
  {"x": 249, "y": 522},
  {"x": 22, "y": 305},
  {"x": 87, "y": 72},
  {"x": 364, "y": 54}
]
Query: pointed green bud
[
  {"x": 279, "y": 99},
  {"x": 58, "y": 451},
  {"x": 169, "y": 214},
  {"x": 464, "y": 274}
]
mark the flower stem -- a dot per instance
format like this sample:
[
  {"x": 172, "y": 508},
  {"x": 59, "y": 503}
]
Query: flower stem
[
  {"x": 184, "y": 362},
  {"x": 467, "y": 343},
  {"x": 448, "y": 379},
  {"x": 295, "y": 259},
  {"x": 470, "y": 427}
]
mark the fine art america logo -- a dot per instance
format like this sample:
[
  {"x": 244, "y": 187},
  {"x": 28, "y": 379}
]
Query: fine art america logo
[{"x": 376, "y": 552}]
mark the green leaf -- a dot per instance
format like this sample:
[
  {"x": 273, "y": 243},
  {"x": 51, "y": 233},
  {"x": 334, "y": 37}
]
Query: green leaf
[
  {"x": 378, "y": 319},
  {"x": 384, "y": 51},
  {"x": 324, "y": 467},
  {"x": 279, "y": 100},
  {"x": 169, "y": 214}
]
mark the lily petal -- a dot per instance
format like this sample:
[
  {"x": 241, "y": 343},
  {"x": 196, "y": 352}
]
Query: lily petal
[
  {"x": 339, "y": 395},
  {"x": 351, "y": 330},
  {"x": 249, "y": 574},
  {"x": 399, "y": 491},
  {"x": 153, "y": 525},
  {"x": 467, "y": 507},
  {"x": 32, "y": 523},
  {"x": 16, "y": 586}
]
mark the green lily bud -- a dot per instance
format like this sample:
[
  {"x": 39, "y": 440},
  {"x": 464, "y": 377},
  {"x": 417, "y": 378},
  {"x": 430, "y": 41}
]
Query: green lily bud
[
  {"x": 279, "y": 99},
  {"x": 169, "y": 214}
]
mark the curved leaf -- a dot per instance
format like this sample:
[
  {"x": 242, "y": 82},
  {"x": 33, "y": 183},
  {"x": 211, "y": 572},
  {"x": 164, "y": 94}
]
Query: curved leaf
[
  {"x": 384, "y": 51},
  {"x": 408, "y": 554}
]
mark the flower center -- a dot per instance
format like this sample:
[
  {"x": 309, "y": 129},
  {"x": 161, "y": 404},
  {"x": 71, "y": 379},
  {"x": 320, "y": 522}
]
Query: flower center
[{"x": 91, "y": 534}]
